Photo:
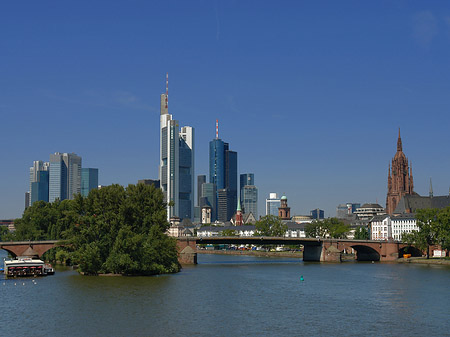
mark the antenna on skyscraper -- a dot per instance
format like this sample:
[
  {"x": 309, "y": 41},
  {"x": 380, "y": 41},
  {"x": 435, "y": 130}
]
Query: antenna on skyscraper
[
  {"x": 217, "y": 129},
  {"x": 167, "y": 89}
]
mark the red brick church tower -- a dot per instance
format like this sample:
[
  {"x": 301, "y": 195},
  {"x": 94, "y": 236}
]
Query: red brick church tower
[{"x": 400, "y": 183}]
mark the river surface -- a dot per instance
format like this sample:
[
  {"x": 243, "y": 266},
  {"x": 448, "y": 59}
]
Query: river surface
[{"x": 235, "y": 296}]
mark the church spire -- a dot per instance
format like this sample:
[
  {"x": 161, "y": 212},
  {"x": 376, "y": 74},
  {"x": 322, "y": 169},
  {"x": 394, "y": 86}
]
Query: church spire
[{"x": 399, "y": 142}]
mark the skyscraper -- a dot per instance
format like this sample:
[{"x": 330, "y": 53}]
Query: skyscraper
[
  {"x": 209, "y": 197},
  {"x": 65, "y": 176},
  {"x": 39, "y": 182},
  {"x": 39, "y": 188},
  {"x": 272, "y": 204},
  {"x": 249, "y": 194},
  {"x": 223, "y": 173},
  {"x": 176, "y": 168},
  {"x": 89, "y": 180},
  {"x": 201, "y": 179}
]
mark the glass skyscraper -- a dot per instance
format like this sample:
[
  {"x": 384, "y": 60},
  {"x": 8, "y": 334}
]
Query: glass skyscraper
[
  {"x": 65, "y": 176},
  {"x": 223, "y": 173},
  {"x": 249, "y": 194},
  {"x": 272, "y": 204},
  {"x": 176, "y": 168},
  {"x": 39, "y": 188},
  {"x": 89, "y": 180}
]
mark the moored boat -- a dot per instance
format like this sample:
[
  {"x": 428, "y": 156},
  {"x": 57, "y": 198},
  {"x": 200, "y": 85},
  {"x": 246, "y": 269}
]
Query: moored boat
[{"x": 27, "y": 266}]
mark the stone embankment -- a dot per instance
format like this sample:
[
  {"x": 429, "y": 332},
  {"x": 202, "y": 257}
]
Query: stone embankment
[{"x": 424, "y": 260}]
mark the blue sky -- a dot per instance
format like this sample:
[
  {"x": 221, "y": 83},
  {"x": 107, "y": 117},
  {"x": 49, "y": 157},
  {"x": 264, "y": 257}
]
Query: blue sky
[{"x": 309, "y": 93}]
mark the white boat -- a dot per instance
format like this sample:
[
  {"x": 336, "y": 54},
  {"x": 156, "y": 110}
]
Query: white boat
[{"x": 25, "y": 266}]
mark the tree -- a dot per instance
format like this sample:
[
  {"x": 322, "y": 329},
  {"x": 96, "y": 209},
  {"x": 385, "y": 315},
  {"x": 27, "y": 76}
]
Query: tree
[
  {"x": 114, "y": 229},
  {"x": 434, "y": 228},
  {"x": 229, "y": 232},
  {"x": 330, "y": 227},
  {"x": 270, "y": 225},
  {"x": 361, "y": 233}
]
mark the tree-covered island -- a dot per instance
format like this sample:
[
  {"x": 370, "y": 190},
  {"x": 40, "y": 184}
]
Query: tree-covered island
[{"x": 113, "y": 230}]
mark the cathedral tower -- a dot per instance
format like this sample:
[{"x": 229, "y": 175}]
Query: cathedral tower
[{"x": 400, "y": 179}]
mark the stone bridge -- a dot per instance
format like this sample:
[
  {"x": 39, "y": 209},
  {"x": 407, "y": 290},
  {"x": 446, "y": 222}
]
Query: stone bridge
[
  {"x": 28, "y": 248},
  {"x": 323, "y": 250}
]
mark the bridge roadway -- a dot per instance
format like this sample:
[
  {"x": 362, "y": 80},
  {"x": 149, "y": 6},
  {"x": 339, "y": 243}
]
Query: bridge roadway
[{"x": 324, "y": 250}]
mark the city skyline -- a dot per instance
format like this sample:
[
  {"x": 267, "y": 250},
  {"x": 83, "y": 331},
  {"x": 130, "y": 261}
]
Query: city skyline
[{"x": 310, "y": 96}]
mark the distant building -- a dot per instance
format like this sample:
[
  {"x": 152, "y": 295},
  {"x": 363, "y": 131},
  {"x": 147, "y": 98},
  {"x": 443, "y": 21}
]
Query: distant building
[
  {"x": 89, "y": 180},
  {"x": 9, "y": 223},
  {"x": 65, "y": 176},
  {"x": 368, "y": 211},
  {"x": 27, "y": 199},
  {"x": 345, "y": 210},
  {"x": 250, "y": 199},
  {"x": 284, "y": 212},
  {"x": 400, "y": 183},
  {"x": 201, "y": 179},
  {"x": 39, "y": 181},
  {"x": 40, "y": 187},
  {"x": 208, "y": 196},
  {"x": 272, "y": 204},
  {"x": 176, "y": 168},
  {"x": 412, "y": 203},
  {"x": 223, "y": 173},
  {"x": 317, "y": 214},
  {"x": 302, "y": 218}
]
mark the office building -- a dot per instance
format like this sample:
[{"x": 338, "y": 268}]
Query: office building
[
  {"x": 39, "y": 183},
  {"x": 39, "y": 188},
  {"x": 223, "y": 173},
  {"x": 344, "y": 211},
  {"x": 176, "y": 168},
  {"x": 272, "y": 204},
  {"x": 89, "y": 180},
  {"x": 65, "y": 176},
  {"x": 208, "y": 197},
  {"x": 317, "y": 214},
  {"x": 201, "y": 179},
  {"x": 248, "y": 194},
  {"x": 249, "y": 200}
]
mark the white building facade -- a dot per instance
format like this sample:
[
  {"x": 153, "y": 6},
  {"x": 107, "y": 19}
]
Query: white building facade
[{"x": 387, "y": 227}]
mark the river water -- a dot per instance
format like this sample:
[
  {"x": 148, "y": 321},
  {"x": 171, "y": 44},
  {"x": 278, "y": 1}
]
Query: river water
[{"x": 235, "y": 296}]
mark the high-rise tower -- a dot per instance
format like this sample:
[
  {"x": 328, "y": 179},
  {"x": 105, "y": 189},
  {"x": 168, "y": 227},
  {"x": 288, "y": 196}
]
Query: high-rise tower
[
  {"x": 400, "y": 180},
  {"x": 64, "y": 176},
  {"x": 176, "y": 168},
  {"x": 223, "y": 173}
]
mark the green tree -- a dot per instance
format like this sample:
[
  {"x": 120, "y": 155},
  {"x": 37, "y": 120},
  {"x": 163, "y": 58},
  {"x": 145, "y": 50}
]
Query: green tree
[
  {"x": 330, "y": 227},
  {"x": 434, "y": 228},
  {"x": 114, "y": 229},
  {"x": 229, "y": 232},
  {"x": 361, "y": 233},
  {"x": 270, "y": 225}
]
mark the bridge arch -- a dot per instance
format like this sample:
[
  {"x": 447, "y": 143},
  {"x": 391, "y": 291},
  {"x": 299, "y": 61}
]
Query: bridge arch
[
  {"x": 415, "y": 252},
  {"x": 366, "y": 253}
]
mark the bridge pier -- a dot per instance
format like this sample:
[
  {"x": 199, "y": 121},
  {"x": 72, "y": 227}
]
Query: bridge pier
[{"x": 187, "y": 251}]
